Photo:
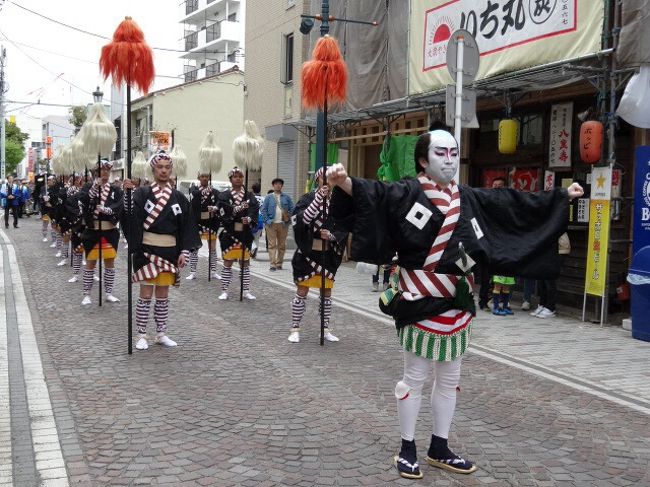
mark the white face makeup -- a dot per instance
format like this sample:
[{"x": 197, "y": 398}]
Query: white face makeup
[{"x": 442, "y": 157}]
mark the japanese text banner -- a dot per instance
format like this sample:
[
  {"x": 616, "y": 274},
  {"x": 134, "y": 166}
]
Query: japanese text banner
[
  {"x": 596, "y": 275},
  {"x": 511, "y": 35},
  {"x": 598, "y": 242}
]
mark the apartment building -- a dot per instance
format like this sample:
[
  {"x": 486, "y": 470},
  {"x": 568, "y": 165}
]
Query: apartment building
[
  {"x": 59, "y": 129},
  {"x": 213, "y": 37},
  {"x": 186, "y": 113},
  {"x": 275, "y": 51}
]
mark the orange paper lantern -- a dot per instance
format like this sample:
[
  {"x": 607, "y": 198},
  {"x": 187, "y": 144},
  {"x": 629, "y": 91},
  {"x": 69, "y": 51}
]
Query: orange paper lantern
[{"x": 591, "y": 141}]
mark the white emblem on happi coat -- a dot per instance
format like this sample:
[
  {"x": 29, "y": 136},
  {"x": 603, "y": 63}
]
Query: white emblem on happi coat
[
  {"x": 177, "y": 209},
  {"x": 477, "y": 229},
  {"x": 149, "y": 206},
  {"x": 419, "y": 215}
]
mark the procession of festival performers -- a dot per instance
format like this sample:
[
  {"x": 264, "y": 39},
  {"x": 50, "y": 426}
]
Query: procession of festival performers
[{"x": 434, "y": 229}]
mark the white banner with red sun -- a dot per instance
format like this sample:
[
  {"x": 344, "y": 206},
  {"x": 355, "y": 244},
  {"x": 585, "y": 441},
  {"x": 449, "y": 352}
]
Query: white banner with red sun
[{"x": 511, "y": 35}]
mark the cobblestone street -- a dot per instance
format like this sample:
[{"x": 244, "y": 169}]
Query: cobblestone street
[{"x": 237, "y": 404}]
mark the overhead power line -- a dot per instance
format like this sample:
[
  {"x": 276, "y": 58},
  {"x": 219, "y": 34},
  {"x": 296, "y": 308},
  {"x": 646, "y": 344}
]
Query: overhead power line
[
  {"x": 82, "y": 30},
  {"x": 43, "y": 67},
  {"x": 71, "y": 57}
]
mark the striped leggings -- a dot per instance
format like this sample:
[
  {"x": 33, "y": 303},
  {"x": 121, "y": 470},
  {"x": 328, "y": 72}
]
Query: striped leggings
[{"x": 160, "y": 314}]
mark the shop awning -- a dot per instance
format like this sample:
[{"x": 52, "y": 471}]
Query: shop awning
[{"x": 537, "y": 78}]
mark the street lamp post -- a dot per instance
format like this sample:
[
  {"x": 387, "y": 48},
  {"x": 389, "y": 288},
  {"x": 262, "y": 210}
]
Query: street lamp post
[
  {"x": 306, "y": 26},
  {"x": 98, "y": 95}
]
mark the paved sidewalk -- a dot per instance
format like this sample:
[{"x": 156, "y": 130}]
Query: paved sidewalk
[
  {"x": 604, "y": 360},
  {"x": 236, "y": 404}
]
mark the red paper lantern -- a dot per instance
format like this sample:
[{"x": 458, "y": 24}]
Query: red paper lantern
[{"x": 591, "y": 141}]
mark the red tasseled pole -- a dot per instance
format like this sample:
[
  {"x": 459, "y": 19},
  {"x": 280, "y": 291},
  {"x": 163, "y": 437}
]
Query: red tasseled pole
[
  {"x": 128, "y": 59},
  {"x": 325, "y": 76}
]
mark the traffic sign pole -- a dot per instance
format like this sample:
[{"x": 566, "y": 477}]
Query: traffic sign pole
[{"x": 459, "y": 99}]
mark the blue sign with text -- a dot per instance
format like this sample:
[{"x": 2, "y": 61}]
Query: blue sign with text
[{"x": 641, "y": 237}]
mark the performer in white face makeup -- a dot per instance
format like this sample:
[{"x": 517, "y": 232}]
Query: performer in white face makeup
[
  {"x": 442, "y": 157},
  {"x": 438, "y": 231}
]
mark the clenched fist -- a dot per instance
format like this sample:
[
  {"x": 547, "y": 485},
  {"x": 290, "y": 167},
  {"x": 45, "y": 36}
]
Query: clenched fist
[
  {"x": 575, "y": 191},
  {"x": 338, "y": 176}
]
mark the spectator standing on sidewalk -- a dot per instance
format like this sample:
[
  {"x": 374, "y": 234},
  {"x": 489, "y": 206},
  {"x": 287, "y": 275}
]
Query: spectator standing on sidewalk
[
  {"x": 24, "y": 189},
  {"x": 529, "y": 290},
  {"x": 256, "y": 188},
  {"x": 502, "y": 284},
  {"x": 276, "y": 211},
  {"x": 10, "y": 192},
  {"x": 484, "y": 273},
  {"x": 548, "y": 288},
  {"x": 384, "y": 270}
]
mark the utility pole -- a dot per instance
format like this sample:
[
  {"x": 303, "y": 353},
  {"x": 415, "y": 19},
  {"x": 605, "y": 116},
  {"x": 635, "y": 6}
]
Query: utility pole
[{"x": 3, "y": 55}]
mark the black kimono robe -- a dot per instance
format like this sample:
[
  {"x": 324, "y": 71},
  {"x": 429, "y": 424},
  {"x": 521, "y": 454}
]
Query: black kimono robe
[
  {"x": 73, "y": 216},
  {"x": 65, "y": 219},
  {"x": 114, "y": 201},
  {"x": 51, "y": 208},
  {"x": 307, "y": 261},
  {"x": 176, "y": 219},
  {"x": 512, "y": 232},
  {"x": 200, "y": 202},
  {"x": 231, "y": 217}
]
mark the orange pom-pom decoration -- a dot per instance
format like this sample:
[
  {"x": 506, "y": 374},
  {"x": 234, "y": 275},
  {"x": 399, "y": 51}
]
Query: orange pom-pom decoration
[
  {"x": 325, "y": 77},
  {"x": 128, "y": 59}
]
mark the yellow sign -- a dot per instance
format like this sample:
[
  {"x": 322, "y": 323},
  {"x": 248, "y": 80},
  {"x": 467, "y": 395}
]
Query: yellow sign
[
  {"x": 511, "y": 35},
  {"x": 598, "y": 242}
]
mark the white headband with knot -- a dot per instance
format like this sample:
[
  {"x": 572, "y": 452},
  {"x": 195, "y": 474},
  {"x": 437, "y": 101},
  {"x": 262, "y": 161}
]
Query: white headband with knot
[
  {"x": 105, "y": 164},
  {"x": 234, "y": 170},
  {"x": 160, "y": 156}
]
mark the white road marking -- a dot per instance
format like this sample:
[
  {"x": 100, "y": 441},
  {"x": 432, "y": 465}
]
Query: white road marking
[
  {"x": 495, "y": 355},
  {"x": 5, "y": 405},
  {"x": 45, "y": 437}
]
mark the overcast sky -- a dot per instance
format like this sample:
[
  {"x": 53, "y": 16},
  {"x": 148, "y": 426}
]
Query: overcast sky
[{"x": 53, "y": 80}]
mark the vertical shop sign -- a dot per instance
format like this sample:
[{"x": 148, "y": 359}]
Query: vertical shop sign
[
  {"x": 641, "y": 236},
  {"x": 598, "y": 242},
  {"x": 560, "y": 137}
]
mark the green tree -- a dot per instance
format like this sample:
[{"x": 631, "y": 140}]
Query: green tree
[
  {"x": 14, "y": 133},
  {"x": 77, "y": 117},
  {"x": 14, "y": 153},
  {"x": 14, "y": 146}
]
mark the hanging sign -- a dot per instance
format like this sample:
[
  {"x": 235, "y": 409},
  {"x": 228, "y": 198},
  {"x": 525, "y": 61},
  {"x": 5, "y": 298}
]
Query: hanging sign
[
  {"x": 510, "y": 35},
  {"x": 159, "y": 140},
  {"x": 549, "y": 180},
  {"x": 559, "y": 150}
]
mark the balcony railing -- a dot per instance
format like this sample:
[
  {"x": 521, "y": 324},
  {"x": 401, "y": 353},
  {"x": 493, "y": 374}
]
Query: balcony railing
[
  {"x": 213, "y": 32},
  {"x": 191, "y": 6},
  {"x": 212, "y": 69},
  {"x": 190, "y": 74},
  {"x": 191, "y": 41}
]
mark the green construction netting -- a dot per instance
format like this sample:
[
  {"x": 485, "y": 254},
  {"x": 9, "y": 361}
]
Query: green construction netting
[
  {"x": 332, "y": 156},
  {"x": 397, "y": 158}
]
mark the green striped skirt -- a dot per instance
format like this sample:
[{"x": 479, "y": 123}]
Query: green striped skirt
[{"x": 442, "y": 348}]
